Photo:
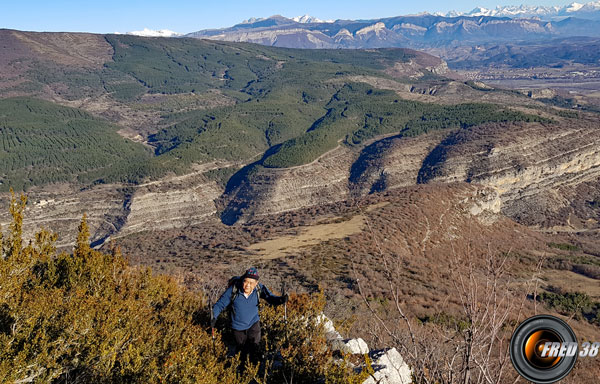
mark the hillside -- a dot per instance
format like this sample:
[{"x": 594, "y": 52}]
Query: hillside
[
  {"x": 378, "y": 175},
  {"x": 230, "y": 130},
  {"x": 90, "y": 317},
  {"x": 45, "y": 142},
  {"x": 158, "y": 90},
  {"x": 420, "y": 231}
]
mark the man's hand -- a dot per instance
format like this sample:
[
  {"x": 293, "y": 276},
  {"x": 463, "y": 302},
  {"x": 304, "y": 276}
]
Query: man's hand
[
  {"x": 213, "y": 322},
  {"x": 284, "y": 298}
]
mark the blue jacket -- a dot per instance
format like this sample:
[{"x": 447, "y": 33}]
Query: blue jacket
[{"x": 244, "y": 310}]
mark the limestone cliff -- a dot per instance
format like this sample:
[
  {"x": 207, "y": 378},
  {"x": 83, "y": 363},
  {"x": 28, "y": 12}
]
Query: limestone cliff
[
  {"x": 116, "y": 210},
  {"x": 269, "y": 190},
  {"x": 531, "y": 166}
]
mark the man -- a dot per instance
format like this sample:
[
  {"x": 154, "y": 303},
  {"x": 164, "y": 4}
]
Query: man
[{"x": 243, "y": 296}]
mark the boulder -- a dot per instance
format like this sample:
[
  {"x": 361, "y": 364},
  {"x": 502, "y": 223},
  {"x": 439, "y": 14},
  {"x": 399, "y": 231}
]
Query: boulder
[
  {"x": 389, "y": 368},
  {"x": 330, "y": 332},
  {"x": 353, "y": 346}
]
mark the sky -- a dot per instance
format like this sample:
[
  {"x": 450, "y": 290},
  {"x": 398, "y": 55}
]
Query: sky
[{"x": 109, "y": 16}]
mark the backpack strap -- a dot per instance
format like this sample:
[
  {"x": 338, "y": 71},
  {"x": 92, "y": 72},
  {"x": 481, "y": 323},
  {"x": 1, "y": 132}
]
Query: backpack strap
[
  {"x": 259, "y": 291},
  {"x": 235, "y": 290}
]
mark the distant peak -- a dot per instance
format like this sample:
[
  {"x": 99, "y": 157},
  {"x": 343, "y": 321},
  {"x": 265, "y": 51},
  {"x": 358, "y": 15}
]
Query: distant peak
[
  {"x": 309, "y": 19},
  {"x": 278, "y": 17},
  {"x": 154, "y": 33},
  {"x": 253, "y": 20},
  {"x": 574, "y": 7}
]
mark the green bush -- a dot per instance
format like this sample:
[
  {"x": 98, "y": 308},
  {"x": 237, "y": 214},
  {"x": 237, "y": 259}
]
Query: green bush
[
  {"x": 302, "y": 344},
  {"x": 564, "y": 246},
  {"x": 575, "y": 304}
]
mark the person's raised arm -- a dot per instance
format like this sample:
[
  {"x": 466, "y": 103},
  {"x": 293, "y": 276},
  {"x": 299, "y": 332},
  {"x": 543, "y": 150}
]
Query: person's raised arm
[{"x": 270, "y": 297}]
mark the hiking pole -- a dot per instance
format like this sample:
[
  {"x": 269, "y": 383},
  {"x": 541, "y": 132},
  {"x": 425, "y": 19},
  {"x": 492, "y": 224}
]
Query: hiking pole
[
  {"x": 212, "y": 328},
  {"x": 285, "y": 330},
  {"x": 284, "y": 309}
]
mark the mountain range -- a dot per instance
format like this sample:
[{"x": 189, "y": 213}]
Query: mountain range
[
  {"x": 589, "y": 10},
  {"x": 234, "y": 131},
  {"x": 419, "y": 31}
]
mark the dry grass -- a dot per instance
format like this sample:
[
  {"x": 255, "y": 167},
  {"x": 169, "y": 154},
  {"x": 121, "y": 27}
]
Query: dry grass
[
  {"x": 75, "y": 49},
  {"x": 420, "y": 225},
  {"x": 311, "y": 235},
  {"x": 572, "y": 281}
]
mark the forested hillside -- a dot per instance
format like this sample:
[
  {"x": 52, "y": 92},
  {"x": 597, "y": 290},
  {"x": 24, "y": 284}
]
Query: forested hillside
[
  {"x": 195, "y": 101},
  {"x": 44, "y": 142}
]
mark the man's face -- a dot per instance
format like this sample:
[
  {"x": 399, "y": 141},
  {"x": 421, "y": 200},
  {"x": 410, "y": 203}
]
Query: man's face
[{"x": 248, "y": 285}]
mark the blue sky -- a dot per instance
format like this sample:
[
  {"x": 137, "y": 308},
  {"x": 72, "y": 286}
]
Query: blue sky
[{"x": 187, "y": 16}]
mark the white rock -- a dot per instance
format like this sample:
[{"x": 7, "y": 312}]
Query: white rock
[
  {"x": 353, "y": 346},
  {"x": 389, "y": 368},
  {"x": 330, "y": 332}
]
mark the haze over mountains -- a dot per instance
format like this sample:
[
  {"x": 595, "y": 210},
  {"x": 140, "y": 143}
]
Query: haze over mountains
[
  {"x": 408, "y": 31},
  {"x": 423, "y": 31}
]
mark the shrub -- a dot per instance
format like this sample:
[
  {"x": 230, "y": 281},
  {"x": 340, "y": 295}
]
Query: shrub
[
  {"x": 88, "y": 316},
  {"x": 301, "y": 344},
  {"x": 576, "y": 304}
]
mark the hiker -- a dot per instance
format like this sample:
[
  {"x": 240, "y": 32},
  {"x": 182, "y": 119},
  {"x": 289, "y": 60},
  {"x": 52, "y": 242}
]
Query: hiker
[{"x": 243, "y": 295}]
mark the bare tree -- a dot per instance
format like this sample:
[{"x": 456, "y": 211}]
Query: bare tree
[{"x": 472, "y": 349}]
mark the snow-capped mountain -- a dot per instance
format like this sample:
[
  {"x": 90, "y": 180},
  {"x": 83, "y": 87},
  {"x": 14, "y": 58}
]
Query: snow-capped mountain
[
  {"x": 512, "y": 11},
  {"x": 305, "y": 19},
  {"x": 309, "y": 19},
  {"x": 416, "y": 31},
  {"x": 583, "y": 10},
  {"x": 154, "y": 33}
]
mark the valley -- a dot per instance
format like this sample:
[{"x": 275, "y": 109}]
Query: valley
[{"x": 320, "y": 167}]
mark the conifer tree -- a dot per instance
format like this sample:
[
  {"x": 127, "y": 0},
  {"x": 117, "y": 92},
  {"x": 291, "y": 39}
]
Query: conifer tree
[
  {"x": 82, "y": 246},
  {"x": 15, "y": 240}
]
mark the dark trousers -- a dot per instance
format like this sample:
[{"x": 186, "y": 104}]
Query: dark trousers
[{"x": 247, "y": 342}]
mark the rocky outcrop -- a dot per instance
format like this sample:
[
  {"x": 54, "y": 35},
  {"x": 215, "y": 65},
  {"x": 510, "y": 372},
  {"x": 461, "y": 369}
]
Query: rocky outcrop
[
  {"x": 418, "y": 66},
  {"x": 389, "y": 368},
  {"x": 388, "y": 365},
  {"x": 275, "y": 190},
  {"x": 352, "y": 346},
  {"x": 61, "y": 209},
  {"x": 114, "y": 210},
  {"x": 171, "y": 203},
  {"x": 528, "y": 166},
  {"x": 531, "y": 166},
  {"x": 391, "y": 163}
]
